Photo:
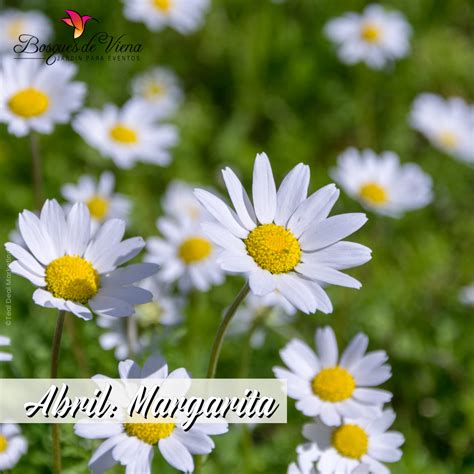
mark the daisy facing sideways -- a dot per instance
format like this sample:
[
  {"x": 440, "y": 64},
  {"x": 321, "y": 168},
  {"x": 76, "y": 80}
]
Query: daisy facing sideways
[
  {"x": 331, "y": 387},
  {"x": 180, "y": 202},
  {"x": 160, "y": 87},
  {"x": 185, "y": 255},
  {"x": 376, "y": 37},
  {"x": 127, "y": 135},
  {"x": 447, "y": 124},
  {"x": 185, "y": 16},
  {"x": 35, "y": 96},
  {"x": 285, "y": 241},
  {"x": 357, "y": 446},
  {"x": 133, "y": 444},
  {"x": 12, "y": 446},
  {"x": 5, "y": 356},
  {"x": 76, "y": 272},
  {"x": 99, "y": 197},
  {"x": 381, "y": 183},
  {"x": 14, "y": 23}
]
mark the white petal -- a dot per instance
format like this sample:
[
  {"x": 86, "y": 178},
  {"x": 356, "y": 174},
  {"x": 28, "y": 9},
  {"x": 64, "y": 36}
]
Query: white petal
[
  {"x": 54, "y": 222},
  {"x": 79, "y": 229},
  {"x": 25, "y": 258},
  {"x": 299, "y": 357},
  {"x": 261, "y": 282},
  {"x": 17, "y": 268},
  {"x": 372, "y": 396},
  {"x": 129, "y": 274},
  {"x": 263, "y": 189},
  {"x": 329, "y": 414},
  {"x": 130, "y": 294},
  {"x": 102, "y": 458},
  {"x": 327, "y": 275},
  {"x": 117, "y": 254},
  {"x": 176, "y": 454},
  {"x": 327, "y": 346},
  {"x": 340, "y": 256},
  {"x": 195, "y": 441},
  {"x": 231, "y": 262},
  {"x": 97, "y": 430},
  {"x": 222, "y": 237},
  {"x": 297, "y": 292},
  {"x": 107, "y": 306},
  {"x": 47, "y": 300},
  {"x": 109, "y": 234},
  {"x": 79, "y": 310},
  {"x": 354, "y": 351},
  {"x": 298, "y": 388}
]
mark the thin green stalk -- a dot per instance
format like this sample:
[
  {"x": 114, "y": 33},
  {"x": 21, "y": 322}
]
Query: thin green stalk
[{"x": 54, "y": 374}]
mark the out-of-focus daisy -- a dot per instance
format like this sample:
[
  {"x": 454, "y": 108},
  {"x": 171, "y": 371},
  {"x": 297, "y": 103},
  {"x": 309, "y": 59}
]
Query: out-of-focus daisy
[
  {"x": 181, "y": 203},
  {"x": 466, "y": 295},
  {"x": 185, "y": 16},
  {"x": 128, "y": 134},
  {"x": 133, "y": 444},
  {"x": 14, "y": 23},
  {"x": 160, "y": 87},
  {"x": 185, "y": 255},
  {"x": 12, "y": 445},
  {"x": 99, "y": 197},
  {"x": 5, "y": 356},
  {"x": 375, "y": 37},
  {"x": 356, "y": 446},
  {"x": 332, "y": 387},
  {"x": 74, "y": 271},
  {"x": 35, "y": 96},
  {"x": 285, "y": 241},
  {"x": 163, "y": 310},
  {"x": 448, "y": 124},
  {"x": 381, "y": 183},
  {"x": 259, "y": 312}
]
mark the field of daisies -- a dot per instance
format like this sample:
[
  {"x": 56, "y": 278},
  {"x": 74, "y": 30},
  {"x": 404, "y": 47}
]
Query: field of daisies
[{"x": 266, "y": 189}]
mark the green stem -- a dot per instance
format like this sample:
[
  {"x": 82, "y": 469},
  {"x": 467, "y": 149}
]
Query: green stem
[
  {"x": 37, "y": 169},
  {"x": 54, "y": 374}
]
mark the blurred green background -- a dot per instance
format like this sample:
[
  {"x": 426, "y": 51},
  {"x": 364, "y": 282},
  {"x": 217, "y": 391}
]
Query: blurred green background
[{"x": 262, "y": 77}]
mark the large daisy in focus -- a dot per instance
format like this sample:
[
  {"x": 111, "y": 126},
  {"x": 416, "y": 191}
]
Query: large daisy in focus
[
  {"x": 357, "y": 446},
  {"x": 14, "y": 23},
  {"x": 381, "y": 183},
  {"x": 127, "y": 135},
  {"x": 35, "y": 96},
  {"x": 185, "y": 255},
  {"x": 185, "y": 16},
  {"x": 160, "y": 87},
  {"x": 74, "y": 271},
  {"x": 12, "y": 446},
  {"x": 332, "y": 387},
  {"x": 375, "y": 37},
  {"x": 285, "y": 241},
  {"x": 133, "y": 444},
  {"x": 99, "y": 197},
  {"x": 448, "y": 124}
]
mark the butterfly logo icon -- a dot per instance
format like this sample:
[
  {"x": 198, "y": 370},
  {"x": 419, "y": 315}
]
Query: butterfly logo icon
[{"x": 77, "y": 21}]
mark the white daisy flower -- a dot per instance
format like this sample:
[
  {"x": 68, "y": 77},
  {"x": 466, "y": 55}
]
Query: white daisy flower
[
  {"x": 160, "y": 87},
  {"x": 99, "y": 197},
  {"x": 35, "y": 96},
  {"x": 14, "y": 23},
  {"x": 185, "y": 16},
  {"x": 5, "y": 356},
  {"x": 448, "y": 124},
  {"x": 376, "y": 36},
  {"x": 260, "y": 312},
  {"x": 466, "y": 295},
  {"x": 329, "y": 387},
  {"x": 308, "y": 454},
  {"x": 356, "y": 446},
  {"x": 163, "y": 310},
  {"x": 74, "y": 271},
  {"x": 381, "y": 184},
  {"x": 180, "y": 202},
  {"x": 128, "y": 134},
  {"x": 185, "y": 255},
  {"x": 285, "y": 241},
  {"x": 12, "y": 445},
  {"x": 132, "y": 444}
]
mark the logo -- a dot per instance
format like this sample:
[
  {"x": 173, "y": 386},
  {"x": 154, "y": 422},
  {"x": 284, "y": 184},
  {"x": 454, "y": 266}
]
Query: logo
[{"x": 76, "y": 21}]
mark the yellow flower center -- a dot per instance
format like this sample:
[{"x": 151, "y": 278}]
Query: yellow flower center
[
  {"x": 149, "y": 314},
  {"x": 194, "y": 249},
  {"x": 98, "y": 207},
  {"x": 153, "y": 90},
  {"x": 72, "y": 278},
  {"x": 350, "y": 441},
  {"x": 150, "y": 433},
  {"x": 273, "y": 248},
  {"x": 163, "y": 5},
  {"x": 370, "y": 33},
  {"x": 29, "y": 103},
  {"x": 15, "y": 29},
  {"x": 333, "y": 384},
  {"x": 448, "y": 139},
  {"x": 3, "y": 443},
  {"x": 374, "y": 194},
  {"x": 124, "y": 135}
]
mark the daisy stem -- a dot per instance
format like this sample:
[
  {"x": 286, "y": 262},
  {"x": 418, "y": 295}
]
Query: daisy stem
[
  {"x": 54, "y": 374},
  {"x": 37, "y": 169}
]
